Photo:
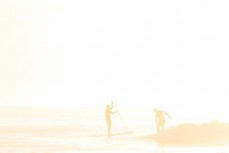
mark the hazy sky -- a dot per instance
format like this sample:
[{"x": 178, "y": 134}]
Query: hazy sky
[{"x": 145, "y": 53}]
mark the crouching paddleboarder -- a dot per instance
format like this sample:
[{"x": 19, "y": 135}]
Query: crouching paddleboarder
[{"x": 160, "y": 119}]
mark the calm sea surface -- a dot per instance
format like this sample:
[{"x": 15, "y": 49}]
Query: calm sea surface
[{"x": 80, "y": 131}]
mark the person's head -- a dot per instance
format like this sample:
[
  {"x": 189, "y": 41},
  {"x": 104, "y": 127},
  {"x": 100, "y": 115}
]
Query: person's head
[
  {"x": 155, "y": 110},
  {"x": 108, "y": 106}
]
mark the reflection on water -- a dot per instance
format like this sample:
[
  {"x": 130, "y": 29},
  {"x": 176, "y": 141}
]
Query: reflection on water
[{"x": 76, "y": 132}]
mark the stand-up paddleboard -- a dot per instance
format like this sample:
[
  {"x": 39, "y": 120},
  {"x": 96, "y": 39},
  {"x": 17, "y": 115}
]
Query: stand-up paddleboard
[
  {"x": 122, "y": 134},
  {"x": 130, "y": 135}
]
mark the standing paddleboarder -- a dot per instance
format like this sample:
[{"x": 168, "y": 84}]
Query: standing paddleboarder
[{"x": 108, "y": 113}]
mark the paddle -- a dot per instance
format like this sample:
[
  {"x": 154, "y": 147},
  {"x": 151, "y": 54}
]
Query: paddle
[{"x": 131, "y": 132}]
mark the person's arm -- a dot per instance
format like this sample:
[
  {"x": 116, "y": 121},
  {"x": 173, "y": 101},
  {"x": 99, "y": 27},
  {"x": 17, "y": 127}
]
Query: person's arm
[
  {"x": 114, "y": 112},
  {"x": 112, "y": 104}
]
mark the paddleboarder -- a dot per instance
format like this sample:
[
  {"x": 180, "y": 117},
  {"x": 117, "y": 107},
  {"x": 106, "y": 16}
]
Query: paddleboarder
[
  {"x": 108, "y": 113},
  {"x": 160, "y": 119}
]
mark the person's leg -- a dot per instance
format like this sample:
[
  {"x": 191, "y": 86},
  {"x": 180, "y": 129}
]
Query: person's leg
[
  {"x": 109, "y": 130},
  {"x": 158, "y": 127},
  {"x": 162, "y": 124}
]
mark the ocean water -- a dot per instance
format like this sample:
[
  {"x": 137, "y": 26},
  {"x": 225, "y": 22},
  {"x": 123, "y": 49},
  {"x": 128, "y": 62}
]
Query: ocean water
[{"x": 80, "y": 131}]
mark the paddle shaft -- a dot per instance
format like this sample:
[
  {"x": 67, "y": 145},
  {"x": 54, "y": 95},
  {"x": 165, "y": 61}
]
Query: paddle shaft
[{"x": 122, "y": 118}]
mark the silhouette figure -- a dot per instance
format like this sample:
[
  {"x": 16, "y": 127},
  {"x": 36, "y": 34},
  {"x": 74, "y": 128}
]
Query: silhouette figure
[
  {"x": 108, "y": 113},
  {"x": 160, "y": 119}
]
